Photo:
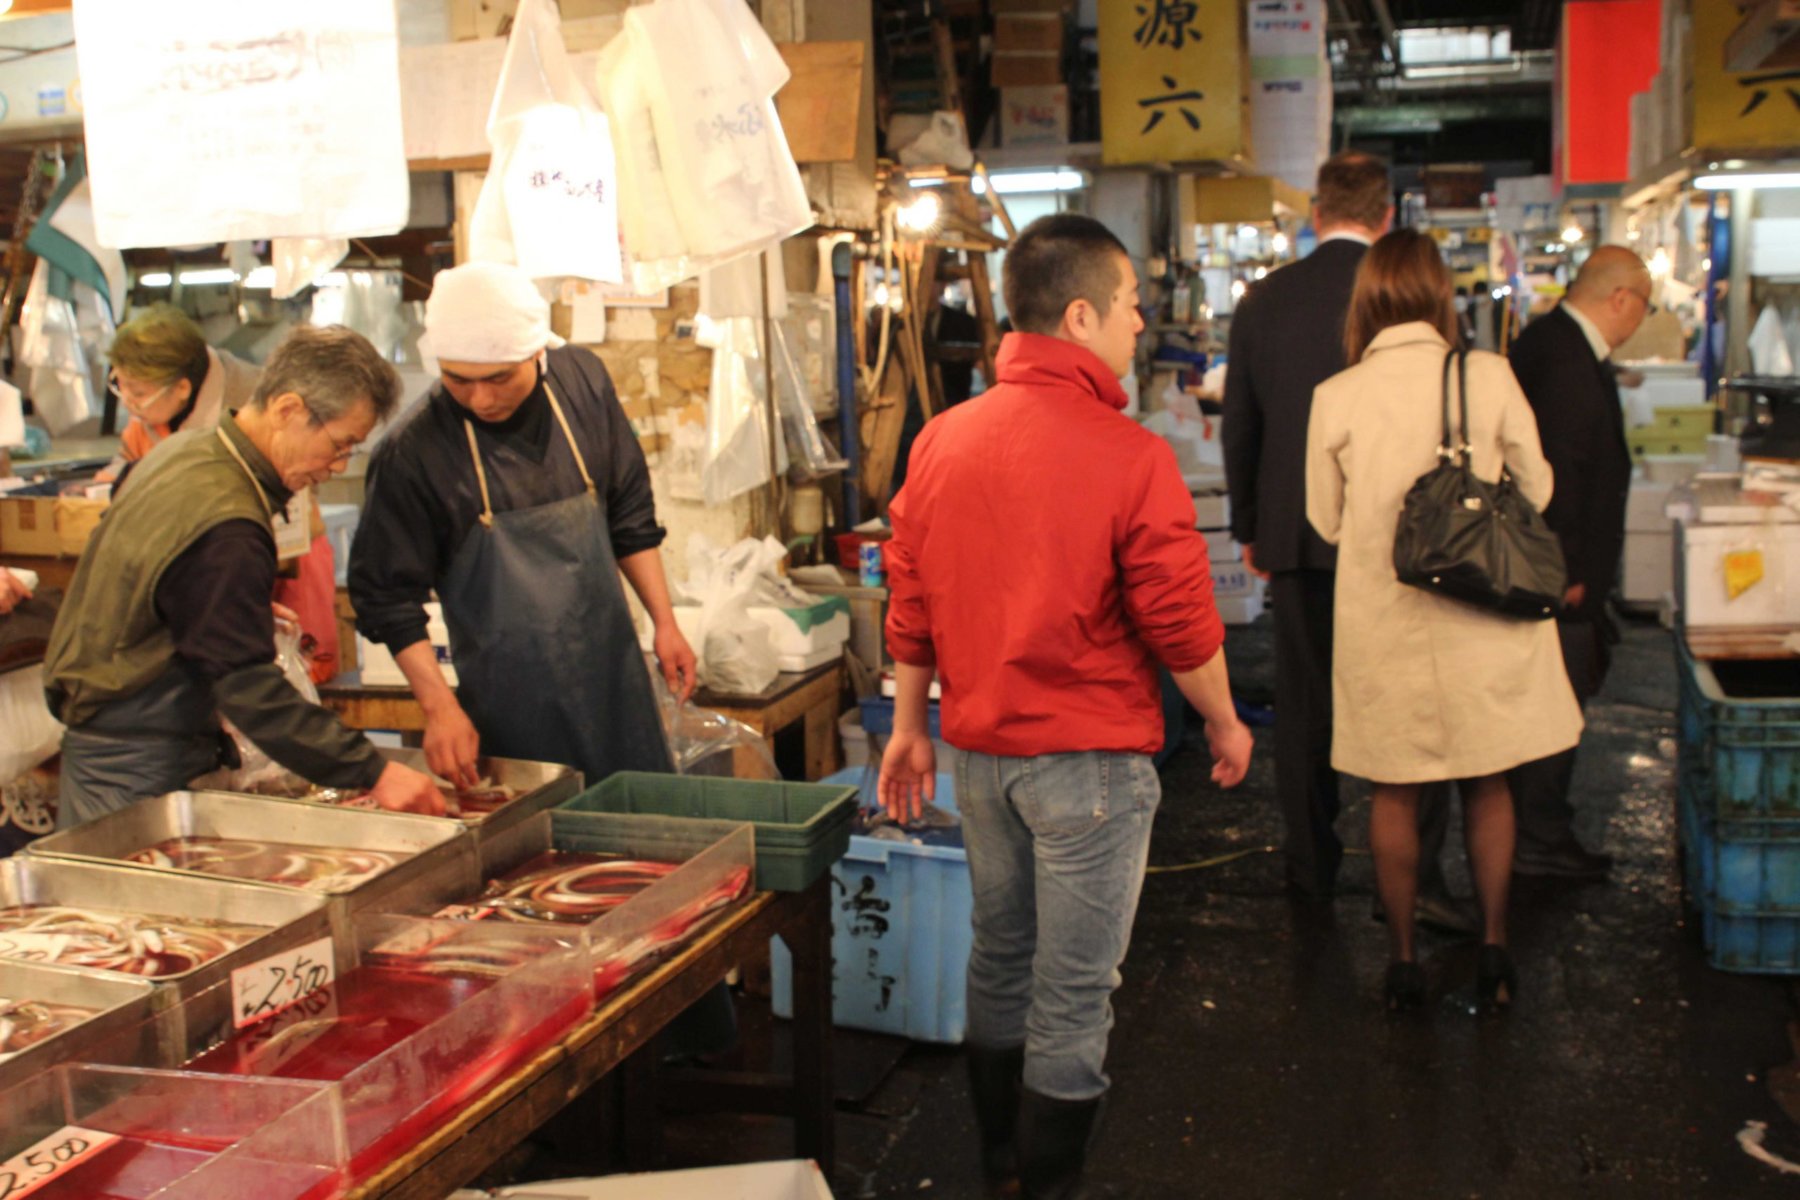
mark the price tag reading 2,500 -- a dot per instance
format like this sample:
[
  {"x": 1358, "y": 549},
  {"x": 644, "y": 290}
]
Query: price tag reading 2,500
[
  {"x": 55, "y": 1155},
  {"x": 265, "y": 988}
]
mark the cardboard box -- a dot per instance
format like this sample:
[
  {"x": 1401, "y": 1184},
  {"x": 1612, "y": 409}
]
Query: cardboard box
[
  {"x": 1024, "y": 32},
  {"x": 1212, "y": 510},
  {"x": 76, "y": 519},
  {"x": 1034, "y": 116},
  {"x": 28, "y": 526},
  {"x": 794, "y": 1179},
  {"x": 1031, "y": 69}
]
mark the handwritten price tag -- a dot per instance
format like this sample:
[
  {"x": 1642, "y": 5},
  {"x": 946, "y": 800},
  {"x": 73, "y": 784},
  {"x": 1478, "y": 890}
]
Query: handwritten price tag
[
  {"x": 265, "y": 988},
  {"x": 54, "y": 1156},
  {"x": 34, "y": 947}
]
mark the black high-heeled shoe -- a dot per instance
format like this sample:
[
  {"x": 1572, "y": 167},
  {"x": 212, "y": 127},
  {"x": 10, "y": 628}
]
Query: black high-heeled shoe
[
  {"x": 1405, "y": 986},
  {"x": 1496, "y": 979}
]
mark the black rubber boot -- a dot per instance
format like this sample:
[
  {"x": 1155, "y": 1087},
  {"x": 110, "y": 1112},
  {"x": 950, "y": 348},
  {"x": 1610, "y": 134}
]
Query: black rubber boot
[
  {"x": 1053, "y": 1144},
  {"x": 994, "y": 1083}
]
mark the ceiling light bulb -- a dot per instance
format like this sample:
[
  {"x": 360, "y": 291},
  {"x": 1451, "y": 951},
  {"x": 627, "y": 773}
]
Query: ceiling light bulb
[
  {"x": 1279, "y": 243},
  {"x": 920, "y": 216},
  {"x": 1659, "y": 263},
  {"x": 1572, "y": 234}
]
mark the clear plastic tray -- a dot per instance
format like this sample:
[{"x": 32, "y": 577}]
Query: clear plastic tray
[
  {"x": 180, "y": 1136},
  {"x": 424, "y": 1016},
  {"x": 718, "y": 867}
]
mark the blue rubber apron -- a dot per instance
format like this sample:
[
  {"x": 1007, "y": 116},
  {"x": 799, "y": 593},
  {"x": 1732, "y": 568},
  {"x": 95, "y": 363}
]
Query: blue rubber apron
[
  {"x": 547, "y": 660},
  {"x": 151, "y": 742}
]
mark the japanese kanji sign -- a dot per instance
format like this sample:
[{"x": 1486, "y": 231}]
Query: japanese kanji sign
[
  {"x": 1737, "y": 109},
  {"x": 1172, "y": 79}
]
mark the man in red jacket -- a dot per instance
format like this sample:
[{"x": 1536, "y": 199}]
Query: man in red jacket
[{"x": 1044, "y": 561}]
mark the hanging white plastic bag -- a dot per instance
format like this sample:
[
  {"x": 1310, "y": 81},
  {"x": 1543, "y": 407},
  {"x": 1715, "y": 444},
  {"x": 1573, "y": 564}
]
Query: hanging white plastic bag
[
  {"x": 216, "y": 120},
  {"x": 737, "y": 426},
  {"x": 256, "y": 772},
  {"x": 301, "y": 262},
  {"x": 29, "y": 735},
  {"x": 52, "y": 334},
  {"x": 550, "y": 200},
  {"x": 807, "y": 450},
  {"x": 736, "y": 653},
  {"x": 704, "y": 742}
]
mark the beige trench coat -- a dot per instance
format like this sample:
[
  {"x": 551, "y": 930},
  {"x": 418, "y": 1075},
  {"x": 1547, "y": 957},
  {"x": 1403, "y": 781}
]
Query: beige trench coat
[{"x": 1425, "y": 688}]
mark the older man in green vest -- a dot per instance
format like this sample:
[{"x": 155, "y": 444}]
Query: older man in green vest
[{"x": 167, "y": 624}]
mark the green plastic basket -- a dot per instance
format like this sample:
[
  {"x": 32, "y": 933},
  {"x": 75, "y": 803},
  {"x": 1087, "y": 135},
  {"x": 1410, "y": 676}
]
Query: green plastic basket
[{"x": 801, "y": 828}]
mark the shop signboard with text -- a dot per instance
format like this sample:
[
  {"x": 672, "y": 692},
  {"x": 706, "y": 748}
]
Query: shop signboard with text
[{"x": 1172, "y": 81}]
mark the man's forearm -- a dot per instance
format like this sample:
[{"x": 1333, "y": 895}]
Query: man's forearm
[
  {"x": 912, "y": 698},
  {"x": 644, "y": 571},
  {"x": 418, "y": 662},
  {"x": 1208, "y": 688}
]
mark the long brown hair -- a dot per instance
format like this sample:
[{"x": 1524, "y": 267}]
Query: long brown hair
[{"x": 1402, "y": 278}]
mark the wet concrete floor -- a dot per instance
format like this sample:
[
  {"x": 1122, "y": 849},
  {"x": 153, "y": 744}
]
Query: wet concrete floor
[{"x": 1252, "y": 1058}]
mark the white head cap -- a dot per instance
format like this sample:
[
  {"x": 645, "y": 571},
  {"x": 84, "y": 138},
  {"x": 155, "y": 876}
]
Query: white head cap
[{"x": 485, "y": 312}]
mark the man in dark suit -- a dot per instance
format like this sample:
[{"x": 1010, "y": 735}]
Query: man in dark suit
[
  {"x": 1562, "y": 361},
  {"x": 1287, "y": 337}
]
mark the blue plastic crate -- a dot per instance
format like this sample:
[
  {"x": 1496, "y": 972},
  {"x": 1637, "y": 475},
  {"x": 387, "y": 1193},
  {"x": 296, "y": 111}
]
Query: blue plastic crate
[
  {"x": 1740, "y": 755},
  {"x": 1755, "y": 945},
  {"x": 878, "y": 716},
  {"x": 900, "y": 935}
]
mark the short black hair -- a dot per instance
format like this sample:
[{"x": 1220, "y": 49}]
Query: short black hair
[{"x": 1055, "y": 261}]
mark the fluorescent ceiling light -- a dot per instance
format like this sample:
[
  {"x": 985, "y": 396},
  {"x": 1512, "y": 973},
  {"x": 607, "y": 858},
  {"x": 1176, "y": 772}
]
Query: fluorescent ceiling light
[
  {"x": 1723, "y": 183},
  {"x": 209, "y": 275},
  {"x": 260, "y": 277},
  {"x": 1008, "y": 183},
  {"x": 155, "y": 279}
]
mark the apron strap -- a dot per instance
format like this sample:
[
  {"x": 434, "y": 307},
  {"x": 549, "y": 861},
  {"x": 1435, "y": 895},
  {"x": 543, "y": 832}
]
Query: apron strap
[
  {"x": 580, "y": 462},
  {"x": 487, "y": 504},
  {"x": 268, "y": 509}
]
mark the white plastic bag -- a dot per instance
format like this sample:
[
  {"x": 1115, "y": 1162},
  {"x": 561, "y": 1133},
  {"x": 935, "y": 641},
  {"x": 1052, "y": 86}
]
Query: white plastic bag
[
  {"x": 704, "y": 742},
  {"x": 735, "y": 650},
  {"x": 300, "y": 262},
  {"x": 550, "y": 200},
  {"x": 29, "y": 735},
  {"x": 60, "y": 341},
  {"x": 737, "y": 425},
  {"x": 256, "y": 772}
]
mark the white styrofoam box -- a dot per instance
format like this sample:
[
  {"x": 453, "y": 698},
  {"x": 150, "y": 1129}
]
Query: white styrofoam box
[
  {"x": 1221, "y": 547},
  {"x": 340, "y": 530},
  {"x": 1646, "y": 505},
  {"x": 791, "y": 1179},
  {"x": 1774, "y": 600},
  {"x": 1649, "y": 572},
  {"x": 1212, "y": 510},
  {"x": 790, "y": 640},
  {"x": 855, "y": 739},
  {"x": 379, "y": 667},
  {"x": 1667, "y": 388},
  {"x": 1775, "y": 246},
  {"x": 1240, "y": 609},
  {"x": 1672, "y": 468},
  {"x": 1234, "y": 579},
  {"x": 1722, "y": 453}
]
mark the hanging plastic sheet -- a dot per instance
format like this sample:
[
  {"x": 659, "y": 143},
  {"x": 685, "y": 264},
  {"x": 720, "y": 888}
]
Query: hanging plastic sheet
[
  {"x": 256, "y": 772},
  {"x": 550, "y": 201},
  {"x": 301, "y": 262},
  {"x": 62, "y": 344},
  {"x": 704, "y": 742},
  {"x": 214, "y": 120}
]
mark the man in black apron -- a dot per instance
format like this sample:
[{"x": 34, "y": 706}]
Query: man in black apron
[
  {"x": 517, "y": 491},
  {"x": 168, "y": 623}
]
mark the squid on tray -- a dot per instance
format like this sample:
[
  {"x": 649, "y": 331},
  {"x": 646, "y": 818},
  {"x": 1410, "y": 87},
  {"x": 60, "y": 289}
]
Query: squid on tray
[
  {"x": 148, "y": 944},
  {"x": 469, "y": 804},
  {"x": 315, "y": 868},
  {"x": 25, "y": 1023}
]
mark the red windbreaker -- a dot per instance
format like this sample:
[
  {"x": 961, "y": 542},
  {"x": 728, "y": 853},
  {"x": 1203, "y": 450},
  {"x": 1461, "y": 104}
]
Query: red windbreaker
[{"x": 1045, "y": 559}]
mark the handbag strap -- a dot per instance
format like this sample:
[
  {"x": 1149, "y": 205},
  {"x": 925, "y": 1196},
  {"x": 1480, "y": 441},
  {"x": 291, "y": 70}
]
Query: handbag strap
[{"x": 1449, "y": 449}]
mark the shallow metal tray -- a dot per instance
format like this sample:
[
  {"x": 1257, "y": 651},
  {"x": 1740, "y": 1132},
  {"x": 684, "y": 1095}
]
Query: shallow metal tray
[
  {"x": 430, "y": 847},
  {"x": 541, "y": 786},
  {"x": 292, "y": 918},
  {"x": 123, "y": 1004}
]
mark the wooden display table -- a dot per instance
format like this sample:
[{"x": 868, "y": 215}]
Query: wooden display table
[
  {"x": 468, "y": 1143},
  {"x": 804, "y": 702}
]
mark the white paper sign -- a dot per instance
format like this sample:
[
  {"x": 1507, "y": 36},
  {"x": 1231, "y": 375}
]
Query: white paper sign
[
  {"x": 265, "y": 988},
  {"x": 216, "y": 120},
  {"x": 46, "y": 1160}
]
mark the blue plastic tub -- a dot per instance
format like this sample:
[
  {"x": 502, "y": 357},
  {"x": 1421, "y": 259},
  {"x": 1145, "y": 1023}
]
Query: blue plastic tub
[
  {"x": 1740, "y": 753},
  {"x": 900, "y": 935}
]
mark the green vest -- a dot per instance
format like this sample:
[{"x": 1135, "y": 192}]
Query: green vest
[{"x": 108, "y": 642}]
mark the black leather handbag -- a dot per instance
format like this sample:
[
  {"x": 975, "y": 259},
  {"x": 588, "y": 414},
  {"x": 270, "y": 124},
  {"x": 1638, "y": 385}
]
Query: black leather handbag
[{"x": 1478, "y": 542}]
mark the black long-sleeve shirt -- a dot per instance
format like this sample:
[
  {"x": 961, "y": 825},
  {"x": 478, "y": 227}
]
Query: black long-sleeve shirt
[
  {"x": 215, "y": 600},
  {"x": 422, "y": 499}
]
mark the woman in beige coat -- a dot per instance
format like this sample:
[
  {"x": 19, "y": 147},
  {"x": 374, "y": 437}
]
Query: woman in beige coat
[{"x": 1426, "y": 688}]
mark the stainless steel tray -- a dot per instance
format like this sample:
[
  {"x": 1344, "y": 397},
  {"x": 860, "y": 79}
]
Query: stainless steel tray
[
  {"x": 541, "y": 786},
  {"x": 292, "y": 918},
  {"x": 122, "y": 1005},
  {"x": 428, "y": 847}
]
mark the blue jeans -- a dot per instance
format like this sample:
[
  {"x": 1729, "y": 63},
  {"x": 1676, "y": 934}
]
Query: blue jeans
[{"x": 1057, "y": 845}]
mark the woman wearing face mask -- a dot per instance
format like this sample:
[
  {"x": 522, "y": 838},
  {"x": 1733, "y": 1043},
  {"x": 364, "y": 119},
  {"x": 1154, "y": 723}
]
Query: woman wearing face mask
[{"x": 168, "y": 378}]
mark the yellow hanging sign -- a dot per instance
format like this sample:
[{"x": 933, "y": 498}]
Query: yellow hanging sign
[
  {"x": 1738, "y": 109},
  {"x": 1172, "y": 81}
]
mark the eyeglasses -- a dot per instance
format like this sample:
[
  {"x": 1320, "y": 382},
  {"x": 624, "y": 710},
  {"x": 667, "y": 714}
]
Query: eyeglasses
[
  {"x": 132, "y": 394},
  {"x": 341, "y": 451}
]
